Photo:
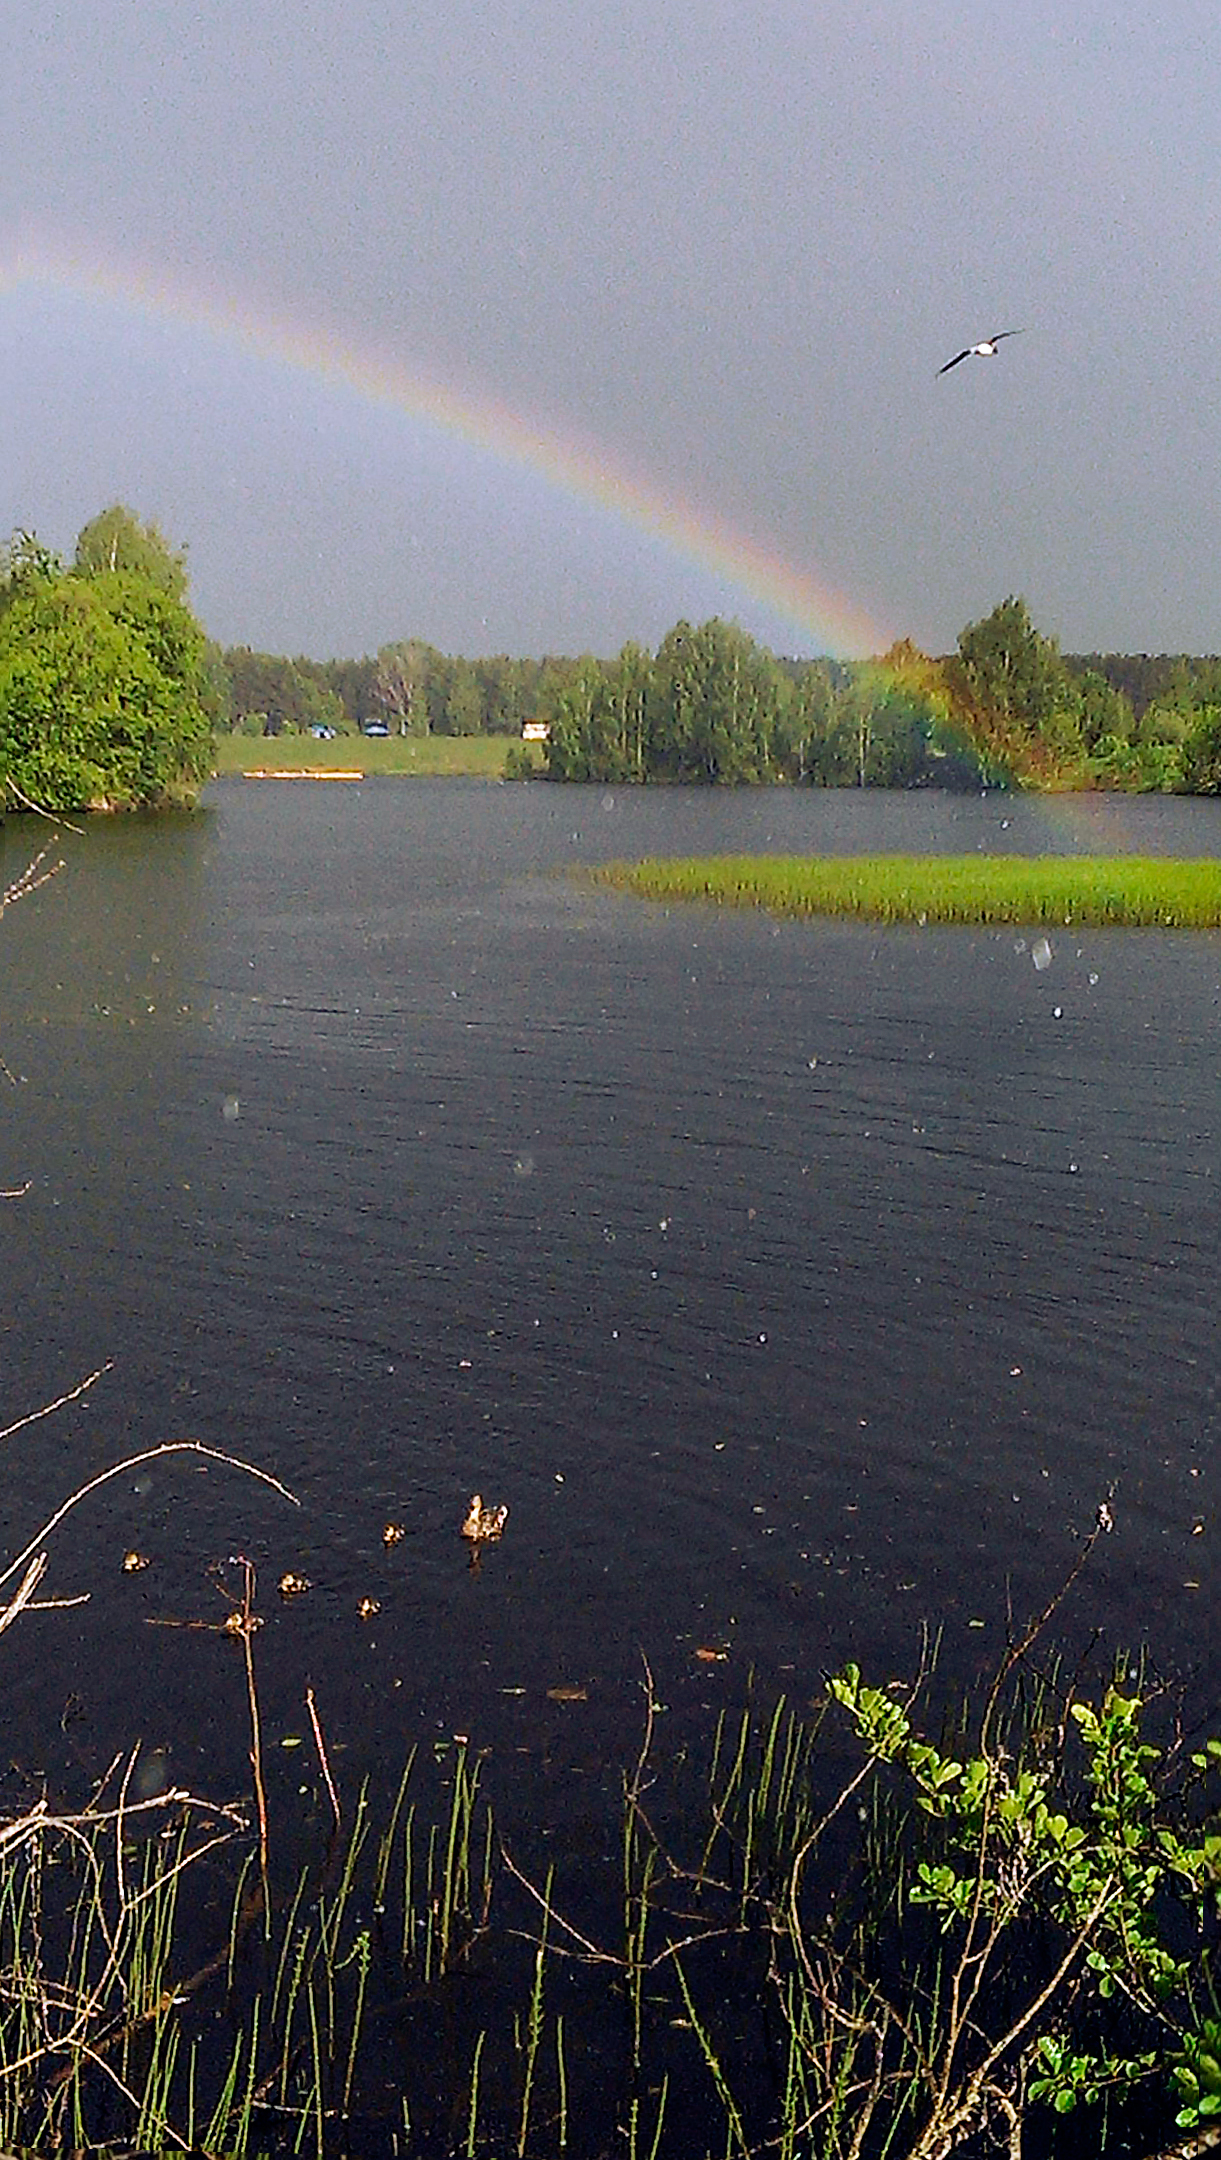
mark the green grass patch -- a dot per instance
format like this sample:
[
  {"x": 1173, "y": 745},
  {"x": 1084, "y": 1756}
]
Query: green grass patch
[
  {"x": 1120, "y": 889},
  {"x": 480, "y": 757}
]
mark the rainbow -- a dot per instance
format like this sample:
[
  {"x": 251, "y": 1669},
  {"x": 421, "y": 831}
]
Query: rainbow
[{"x": 581, "y": 470}]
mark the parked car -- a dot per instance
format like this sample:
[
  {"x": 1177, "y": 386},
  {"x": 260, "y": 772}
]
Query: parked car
[{"x": 375, "y": 727}]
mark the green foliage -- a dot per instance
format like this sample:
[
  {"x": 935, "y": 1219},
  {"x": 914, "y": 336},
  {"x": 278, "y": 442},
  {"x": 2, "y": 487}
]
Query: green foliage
[
  {"x": 599, "y": 719},
  {"x": 1017, "y": 694},
  {"x": 278, "y": 696},
  {"x": 713, "y": 703},
  {"x": 1202, "y": 752},
  {"x": 25, "y": 562},
  {"x": 1197, "y": 2075},
  {"x": 1094, "y": 1851},
  {"x": 117, "y": 540},
  {"x": 1105, "y": 710},
  {"x": 100, "y": 692},
  {"x": 1143, "y": 767},
  {"x": 464, "y": 702},
  {"x": 400, "y": 686}
]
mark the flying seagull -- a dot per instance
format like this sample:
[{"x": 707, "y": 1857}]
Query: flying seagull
[{"x": 986, "y": 349}]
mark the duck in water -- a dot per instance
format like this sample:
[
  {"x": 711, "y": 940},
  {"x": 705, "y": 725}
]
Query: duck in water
[{"x": 483, "y": 1523}]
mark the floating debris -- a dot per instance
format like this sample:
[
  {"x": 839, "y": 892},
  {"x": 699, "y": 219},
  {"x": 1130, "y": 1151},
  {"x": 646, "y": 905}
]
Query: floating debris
[
  {"x": 241, "y": 1623},
  {"x": 565, "y": 1693},
  {"x": 368, "y": 1606},
  {"x": 393, "y": 1534},
  {"x": 291, "y": 1585},
  {"x": 1106, "y": 1521},
  {"x": 134, "y": 1562},
  {"x": 483, "y": 1523}
]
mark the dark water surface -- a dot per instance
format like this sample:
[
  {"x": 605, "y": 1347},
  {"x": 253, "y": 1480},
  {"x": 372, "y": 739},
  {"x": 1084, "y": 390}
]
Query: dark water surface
[{"x": 792, "y": 1283}]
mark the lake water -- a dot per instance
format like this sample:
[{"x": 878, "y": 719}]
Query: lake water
[{"x": 792, "y": 1283}]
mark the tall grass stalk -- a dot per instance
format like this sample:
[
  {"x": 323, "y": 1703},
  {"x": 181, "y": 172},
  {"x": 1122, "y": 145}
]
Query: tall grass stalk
[
  {"x": 472, "y": 2118},
  {"x": 534, "y": 2021},
  {"x": 735, "y": 2133}
]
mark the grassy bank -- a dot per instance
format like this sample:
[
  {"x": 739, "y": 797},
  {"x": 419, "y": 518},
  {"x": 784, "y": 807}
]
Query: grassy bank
[
  {"x": 942, "y": 888},
  {"x": 480, "y": 757}
]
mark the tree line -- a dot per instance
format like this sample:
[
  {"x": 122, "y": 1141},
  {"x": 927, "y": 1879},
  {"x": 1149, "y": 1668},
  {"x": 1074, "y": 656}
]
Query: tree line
[
  {"x": 110, "y": 693},
  {"x": 713, "y": 705}
]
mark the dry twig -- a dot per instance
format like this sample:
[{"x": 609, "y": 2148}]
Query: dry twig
[
  {"x": 321, "y": 1747},
  {"x": 7, "y": 1431}
]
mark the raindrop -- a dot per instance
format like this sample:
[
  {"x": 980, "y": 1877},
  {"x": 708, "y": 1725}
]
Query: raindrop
[
  {"x": 230, "y": 1109},
  {"x": 1040, "y": 953},
  {"x": 1057, "y": 1012}
]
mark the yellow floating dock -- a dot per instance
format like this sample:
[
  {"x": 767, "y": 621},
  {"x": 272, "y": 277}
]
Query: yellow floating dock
[{"x": 301, "y": 772}]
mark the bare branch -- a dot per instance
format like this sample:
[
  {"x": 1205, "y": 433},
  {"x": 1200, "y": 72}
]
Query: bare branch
[
  {"x": 132, "y": 1462},
  {"x": 7, "y": 1431}
]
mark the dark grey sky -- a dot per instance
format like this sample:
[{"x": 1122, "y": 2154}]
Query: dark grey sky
[{"x": 728, "y": 244}]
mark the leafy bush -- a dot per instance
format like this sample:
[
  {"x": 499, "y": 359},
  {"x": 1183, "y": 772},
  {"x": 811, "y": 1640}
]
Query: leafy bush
[{"x": 100, "y": 691}]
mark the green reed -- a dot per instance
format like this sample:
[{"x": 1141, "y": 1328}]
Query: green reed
[
  {"x": 805, "y": 1957},
  {"x": 96, "y": 1990},
  {"x": 1121, "y": 890}
]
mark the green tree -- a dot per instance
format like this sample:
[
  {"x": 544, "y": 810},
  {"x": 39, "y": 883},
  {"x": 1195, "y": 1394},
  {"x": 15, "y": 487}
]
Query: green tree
[
  {"x": 401, "y": 686},
  {"x": 714, "y": 702},
  {"x": 117, "y": 540},
  {"x": 102, "y": 685},
  {"x": 599, "y": 722},
  {"x": 24, "y": 561},
  {"x": 1105, "y": 710},
  {"x": 508, "y": 692},
  {"x": 1016, "y": 694},
  {"x": 464, "y": 700},
  {"x": 804, "y": 724},
  {"x": 580, "y": 746},
  {"x": 269, "y": 695},
  {"x": 1202, "y": 753}
]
